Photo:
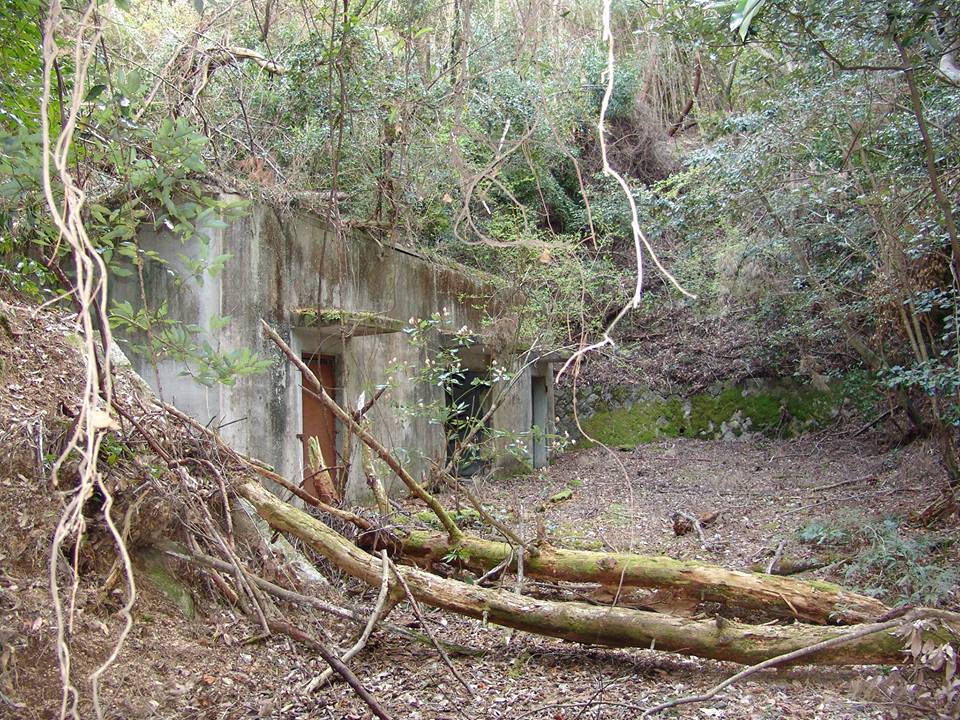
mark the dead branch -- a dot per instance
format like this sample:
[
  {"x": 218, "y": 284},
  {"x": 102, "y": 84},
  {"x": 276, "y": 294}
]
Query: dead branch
[
  {"x": 374, "y": 483},
  {"x": 348, "y": 614},
  {"x": 777, "y": 555},
  {"x": 216, "y": 57},
  {"x": 334, "y": 662},
  {"x": 841, "y": 483},
  {"x": 207, "y": 561},
  {"x": 423, "y": 623},
  {"x": 617, "y": 627},
  {"x": 262, "y": 469},
  {"x": 694, "y": 523},
  {"x": 380, "y": 611},
  {"x": 765, "y": 595},
  {"x": 791, "y": 657},
  {"x": 678, "y": 123}
]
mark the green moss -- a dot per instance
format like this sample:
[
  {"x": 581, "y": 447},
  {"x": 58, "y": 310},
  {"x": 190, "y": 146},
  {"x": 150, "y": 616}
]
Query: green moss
[
  {"x": 464, "y": 516},
  {"x": 785, "y": 409},
  {"x": 157, "y": 574},
  {"x": 309, "y": 317},
  {"x": 564, "y": 494}
]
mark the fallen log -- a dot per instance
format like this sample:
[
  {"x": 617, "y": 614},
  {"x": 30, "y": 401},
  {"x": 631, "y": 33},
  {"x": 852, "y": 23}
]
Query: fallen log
[
  {"x": 809, "y": 601},
  {"x": 616, "y": 627}
]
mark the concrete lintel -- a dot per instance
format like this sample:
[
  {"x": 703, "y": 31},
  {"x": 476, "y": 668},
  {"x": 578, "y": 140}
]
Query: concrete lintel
[{"x": 336, "y": 321}]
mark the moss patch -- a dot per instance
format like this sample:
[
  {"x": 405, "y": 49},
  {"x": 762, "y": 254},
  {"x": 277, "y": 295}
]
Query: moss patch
[
  {"x": 463, "y": 517},
  {"x": 154, "y": 569},
  {"x": 369, "y": 321},
  {"x": 786, "y": 410}
]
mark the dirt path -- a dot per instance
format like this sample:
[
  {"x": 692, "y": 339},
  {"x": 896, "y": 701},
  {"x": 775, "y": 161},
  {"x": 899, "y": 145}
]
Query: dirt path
[{"x": 765, "y": 492}]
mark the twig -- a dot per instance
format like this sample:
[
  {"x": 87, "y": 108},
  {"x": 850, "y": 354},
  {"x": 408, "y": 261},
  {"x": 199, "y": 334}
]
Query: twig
[
  {"x": 493, "y": 571},
  {"x": 379, "y": 611},
  {"x": 243, "y": 584},
  {"x": 334, "y": 662},
  {"x": 873, "y": 422},
  {"x": 261, "y": 469},
  {"x": 821, "y": 502},
  {"x": 195, "y": 558},
  {"x": 511, "y": 537},
  {"x": 198, "y": 558},
  {"x": 796, "y": 654},
  {"x": 777, "y": 555},
  {"x": 218, "y": 580},
  {"x": 423, "y": 623},
  {"x": 697, "y": 75},
  {"x": 696, "y": 526},
  {"x": 851, "y": 481}
]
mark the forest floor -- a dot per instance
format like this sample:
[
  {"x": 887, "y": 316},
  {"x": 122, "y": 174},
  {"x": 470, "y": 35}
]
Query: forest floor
[
  {"x": 825, "y": 497},
  {"x": 765, "y": 492}
]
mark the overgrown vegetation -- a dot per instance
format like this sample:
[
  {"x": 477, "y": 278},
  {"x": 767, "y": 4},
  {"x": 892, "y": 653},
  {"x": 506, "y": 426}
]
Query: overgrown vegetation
[
  {"x": 900, "y": 564},
  {"x": 801, "y": 179}
]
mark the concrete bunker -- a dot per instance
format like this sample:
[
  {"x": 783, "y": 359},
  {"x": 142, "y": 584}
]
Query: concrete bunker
[{"x": 342, "y": 304}]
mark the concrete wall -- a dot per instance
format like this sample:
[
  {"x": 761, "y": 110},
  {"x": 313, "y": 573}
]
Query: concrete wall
[{"x": 280, "y": 265}]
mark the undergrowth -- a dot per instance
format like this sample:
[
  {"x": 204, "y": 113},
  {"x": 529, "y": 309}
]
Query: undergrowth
[{"x": 889, "y": 560}]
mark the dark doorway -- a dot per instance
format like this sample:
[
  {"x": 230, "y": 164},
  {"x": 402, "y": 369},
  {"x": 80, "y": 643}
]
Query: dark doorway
[
  {"x": 466, "y": 400},
  {"x": 538, "y": 402},
  {"x": 319, "y": 422}
]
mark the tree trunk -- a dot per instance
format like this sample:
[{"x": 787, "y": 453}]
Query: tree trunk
[
  {"x": 616, "y": 627},
  {"x": 815, "y": 602}
]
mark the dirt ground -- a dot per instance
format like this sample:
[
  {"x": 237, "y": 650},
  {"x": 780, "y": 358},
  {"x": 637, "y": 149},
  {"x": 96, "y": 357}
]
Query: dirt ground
[
  {"x": 209, "y": 667},
  {"x": 217, "y": 664}
]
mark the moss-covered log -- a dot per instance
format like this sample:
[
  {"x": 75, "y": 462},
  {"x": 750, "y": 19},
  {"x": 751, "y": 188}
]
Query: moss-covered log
[
  {"x": 579, "y": 622},
  {"x": 809, "y": 601}
]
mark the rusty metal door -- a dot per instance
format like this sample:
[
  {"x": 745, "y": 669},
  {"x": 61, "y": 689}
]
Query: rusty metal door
[{"x": 319, "y": 422}]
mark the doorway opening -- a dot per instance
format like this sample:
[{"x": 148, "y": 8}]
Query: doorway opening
[
  {"x": 466, "y": 403},
  {"x": 538, "y": 430},
  {"x": 319, "y": 422}
]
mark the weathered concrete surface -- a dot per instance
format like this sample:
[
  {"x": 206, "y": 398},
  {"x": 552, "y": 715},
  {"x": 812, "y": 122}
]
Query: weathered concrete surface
[{"x": 280, "y": 265}]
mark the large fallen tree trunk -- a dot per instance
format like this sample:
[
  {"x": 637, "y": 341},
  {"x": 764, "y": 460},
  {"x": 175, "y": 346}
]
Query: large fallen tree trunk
[
  {"x": 617, "y": 627},
  {"x": 815, "y": 602}
]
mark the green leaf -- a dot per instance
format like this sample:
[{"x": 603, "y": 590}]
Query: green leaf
[
  {"x": 94, "y": 92},
  {"x": 743, "y": 14}
]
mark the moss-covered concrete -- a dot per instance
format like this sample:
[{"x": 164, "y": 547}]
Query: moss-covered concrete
[
  {"x": 363, "y": 322},
  {"x": 784, "y": 409}
]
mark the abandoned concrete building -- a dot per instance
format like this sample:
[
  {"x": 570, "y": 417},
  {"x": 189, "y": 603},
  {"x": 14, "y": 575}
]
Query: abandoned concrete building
[{"x": 342, "y": 305}]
